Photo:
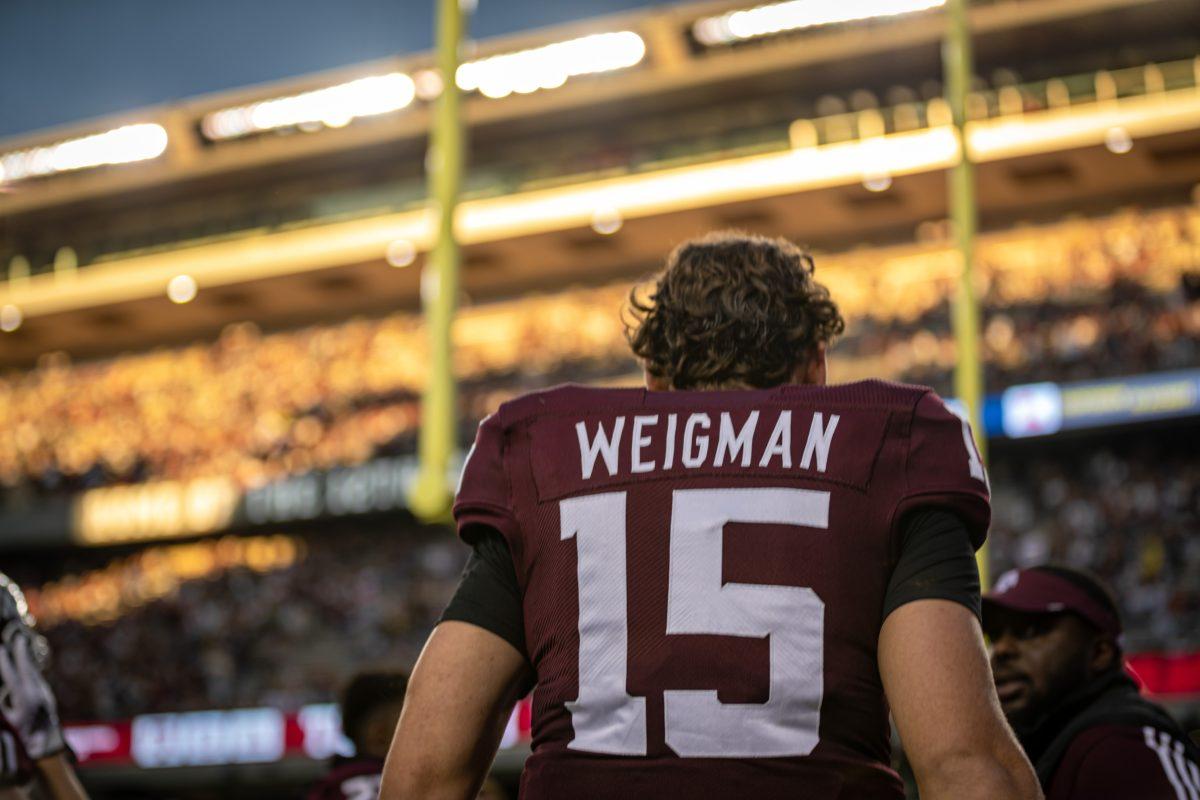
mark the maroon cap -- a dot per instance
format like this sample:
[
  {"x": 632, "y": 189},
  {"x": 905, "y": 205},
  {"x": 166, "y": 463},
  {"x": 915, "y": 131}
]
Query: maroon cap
[{"x": 1054, "y": 590}]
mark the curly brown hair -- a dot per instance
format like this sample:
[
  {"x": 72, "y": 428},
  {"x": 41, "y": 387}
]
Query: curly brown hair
[{"x": 732, "y": 310}]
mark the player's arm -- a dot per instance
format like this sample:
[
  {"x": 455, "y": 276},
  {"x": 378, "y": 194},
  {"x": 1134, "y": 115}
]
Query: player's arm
[
  {"x": 935, "y": 672},
  {"x": 31, "y": 712},
  {"x": 473, "y": 667},
  {"x": 11, "y": 767},
  {"x": 931, "y": 654},
  {"x": 59, "y": 778},
  {"x": 459, "y": 699}
]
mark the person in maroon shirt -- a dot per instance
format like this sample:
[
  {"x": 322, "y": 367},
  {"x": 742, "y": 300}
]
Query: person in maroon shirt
[
  {"x": 1056, "y": 657},
  {"x": 718, "y": 584},
  {"x": 370, "y": 708}
]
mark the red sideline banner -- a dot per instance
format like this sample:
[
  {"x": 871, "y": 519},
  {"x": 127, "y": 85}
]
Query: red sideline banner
[
  {"x": 1167, "y": 675},
  {"x": 221, "y": 738}
]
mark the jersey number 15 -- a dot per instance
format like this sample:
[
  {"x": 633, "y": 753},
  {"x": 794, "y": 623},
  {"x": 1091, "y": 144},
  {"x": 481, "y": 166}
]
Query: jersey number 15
[{"x": 606, "y": 718}]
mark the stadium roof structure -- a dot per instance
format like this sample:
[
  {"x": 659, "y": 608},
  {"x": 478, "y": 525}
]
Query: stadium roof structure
[{"x": 596, "y": 146}]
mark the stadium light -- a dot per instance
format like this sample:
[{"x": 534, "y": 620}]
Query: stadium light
[
  {"x": 877, "y": 182},
  {"x": 119, "y": 146},
  {"x": 767, "y": 20},
  {"x": 1118, "y": 140},
  {"x": 181, "y": 289},
  {"x": 401, "y": 253},
  {"x": 10, "y": 318},
  {"x": 332, "y": 107},
  {"x": 549, "y": 67},
  {"x": 607, "y": 221},
  {"x": 429, "y": 84}
]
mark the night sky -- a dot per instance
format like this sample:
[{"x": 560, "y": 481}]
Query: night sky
[{"x": 67, "y": 60}]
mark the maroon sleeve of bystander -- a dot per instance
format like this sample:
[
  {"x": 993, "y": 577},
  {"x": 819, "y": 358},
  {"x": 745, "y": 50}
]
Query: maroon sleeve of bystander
[{"x": 1124, "y": 762}]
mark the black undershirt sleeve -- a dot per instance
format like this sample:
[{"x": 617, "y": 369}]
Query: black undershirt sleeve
[
  {"x": 937, "y": 562},
  {"x": 488, "y": 594}
]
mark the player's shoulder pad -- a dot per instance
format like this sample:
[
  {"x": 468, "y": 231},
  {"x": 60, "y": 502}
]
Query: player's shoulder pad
[
  {"x": 932, "y": 409},
  {"x": 484, "y": 480},
  {"x": 943, "y": 468},
  {"x": 564, "y": 398},
  {"x": 941, "y": 435},
  {"x": 483, "y": 484},
  {"x": 876, "y": 393}
]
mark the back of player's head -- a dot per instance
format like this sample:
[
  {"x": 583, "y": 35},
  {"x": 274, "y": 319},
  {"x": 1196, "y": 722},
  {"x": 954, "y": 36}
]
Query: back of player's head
[
  {"x": 732, "y": 310},
  {"x": 364, "y": 700}
]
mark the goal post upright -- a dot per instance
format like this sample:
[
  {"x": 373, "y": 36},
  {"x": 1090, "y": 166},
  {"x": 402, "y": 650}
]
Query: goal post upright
[
  {"x": 957, "y": 64},
  {"x": 432, "y": 493}
]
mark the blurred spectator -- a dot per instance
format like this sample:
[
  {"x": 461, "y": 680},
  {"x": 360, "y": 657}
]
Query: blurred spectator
[
  {"x": 242, "y": 637},
  {"x": 1124, "y": 505},
  {"x": 370, "y": 710}
]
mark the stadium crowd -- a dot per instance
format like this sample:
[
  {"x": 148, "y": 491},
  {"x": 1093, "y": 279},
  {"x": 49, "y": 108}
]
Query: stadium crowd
[
  {"x": 1078, "y": 299},
  {"x": 1125, "y": 507},
  {"x": 1125, "y": 329},
  {"x": 247, "y": 636}
]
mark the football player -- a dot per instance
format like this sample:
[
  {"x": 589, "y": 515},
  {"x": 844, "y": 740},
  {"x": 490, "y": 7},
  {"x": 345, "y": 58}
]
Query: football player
[
  {"x": 719, "y": 585},
  {"x": 33, "y": 749}
]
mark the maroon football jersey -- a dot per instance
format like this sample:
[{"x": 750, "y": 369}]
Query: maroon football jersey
[
  {"x": 703, "y": 578},
  {"x": 350, "y": 779},
  {"x": 1125, "y": 762}
]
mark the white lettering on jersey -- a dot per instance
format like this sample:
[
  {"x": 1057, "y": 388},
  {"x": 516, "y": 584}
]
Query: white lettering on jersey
[
  {"x": 780, "y": 443},
  {"x": 362, "y": 787},
  {"x": 601, "y": 445},
  {"x": 974, "y": 462},
  {"x": 693, "y": 446},
  {"x": 1181, "y": 772},
  {"x": 692, "y": 458},
  {"x": 640, "y": 441},
  {"x": 819, "y": 440},
  {"x": 730, "y": 444},
  {"x": 669, "y": 457}
]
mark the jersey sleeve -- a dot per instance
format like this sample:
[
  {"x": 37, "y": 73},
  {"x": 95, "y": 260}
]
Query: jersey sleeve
[
  {"x": 1116, "y": 762},
  {"x": 488, "y": 595},
  {"x": 943, "y": 468},
  {"x": 483, "y": 499},
  {"x": 937, "y": 562}
]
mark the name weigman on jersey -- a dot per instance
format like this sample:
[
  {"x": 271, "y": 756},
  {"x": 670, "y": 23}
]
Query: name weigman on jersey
[{"x": 660, "y": 442}]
